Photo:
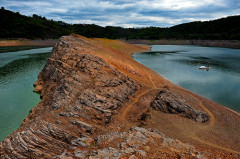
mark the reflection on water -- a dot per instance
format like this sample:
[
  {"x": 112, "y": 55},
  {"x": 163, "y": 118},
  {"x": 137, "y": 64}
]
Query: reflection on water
[
  {"x": 18, "y": 72},
  {"x": 180, "y": 64}
]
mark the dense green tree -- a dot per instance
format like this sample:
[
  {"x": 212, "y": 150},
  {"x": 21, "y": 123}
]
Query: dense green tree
[{"x": 15, "y": 25}]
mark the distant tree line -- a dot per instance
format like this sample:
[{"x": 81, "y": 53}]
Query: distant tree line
[{"x": 15, "y": 25}]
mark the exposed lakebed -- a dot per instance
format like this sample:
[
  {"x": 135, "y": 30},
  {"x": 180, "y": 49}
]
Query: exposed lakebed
[
  {"x": 180, "y": 65},
  {"x": 18, "y": 72}
]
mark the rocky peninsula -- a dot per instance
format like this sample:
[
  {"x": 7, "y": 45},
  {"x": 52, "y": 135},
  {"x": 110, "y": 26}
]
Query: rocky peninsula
[{"x": 98, "y": 102}]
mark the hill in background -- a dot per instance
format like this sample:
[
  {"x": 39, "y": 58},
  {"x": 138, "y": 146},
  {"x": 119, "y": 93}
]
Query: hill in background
[{"x": 15, "y": 25}]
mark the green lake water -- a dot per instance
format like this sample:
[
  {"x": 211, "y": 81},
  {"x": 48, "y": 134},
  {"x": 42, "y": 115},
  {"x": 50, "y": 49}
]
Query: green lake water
[
  {"x": 180, "y": 65},
  {"x": 19, "y": 69}
]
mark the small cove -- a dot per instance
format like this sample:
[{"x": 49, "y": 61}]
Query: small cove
[
  {"x": 180, "y": 65},
  {"x": 19, "y": 69}
]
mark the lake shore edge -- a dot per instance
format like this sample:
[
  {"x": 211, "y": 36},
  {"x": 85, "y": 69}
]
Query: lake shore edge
[
  {"x": 28, "y": 42},
  {"x": 234, "y": 44},
  {"x": 229, "y": 107}
]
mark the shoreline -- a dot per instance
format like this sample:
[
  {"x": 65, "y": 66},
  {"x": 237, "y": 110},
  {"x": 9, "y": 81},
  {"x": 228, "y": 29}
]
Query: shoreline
[
  {"x": 27, "y": 42},
  {"x": 228, "y": 108},
  {"x": 234, "y": 44}
]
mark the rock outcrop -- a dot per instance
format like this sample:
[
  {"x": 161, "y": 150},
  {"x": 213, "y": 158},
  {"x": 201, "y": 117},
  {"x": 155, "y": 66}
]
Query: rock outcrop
[
  {"x": 79, "y": 91},
  {"x": 98, "y": 102},
  {"x": 169, "y": 102}
]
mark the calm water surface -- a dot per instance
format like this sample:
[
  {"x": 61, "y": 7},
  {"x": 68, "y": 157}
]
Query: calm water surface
[
  {"x": 179, "y": 64},
  {"x": 18, "y": 72}
]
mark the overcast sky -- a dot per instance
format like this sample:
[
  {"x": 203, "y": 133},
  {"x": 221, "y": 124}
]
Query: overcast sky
[{"x": 126, "y": 13}]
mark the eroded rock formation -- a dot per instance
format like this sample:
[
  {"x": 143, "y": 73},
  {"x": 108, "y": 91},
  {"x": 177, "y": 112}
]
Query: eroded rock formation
[
  {"x": 169, "y": 102},
  {"x": 78, "y": 91},
  {"x": 92, "y": 92}
]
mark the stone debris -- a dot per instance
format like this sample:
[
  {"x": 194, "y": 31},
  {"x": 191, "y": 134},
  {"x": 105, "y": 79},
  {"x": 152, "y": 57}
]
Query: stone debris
[{"x": 136, "y": 143}]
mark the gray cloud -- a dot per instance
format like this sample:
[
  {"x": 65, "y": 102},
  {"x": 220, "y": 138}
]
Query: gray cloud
[{"x": 126, "y": 13}]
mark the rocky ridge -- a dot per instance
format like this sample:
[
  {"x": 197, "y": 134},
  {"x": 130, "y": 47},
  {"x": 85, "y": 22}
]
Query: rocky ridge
[
  {"x": 78, "y": 91},
  {"x": 92, "y": 93}
]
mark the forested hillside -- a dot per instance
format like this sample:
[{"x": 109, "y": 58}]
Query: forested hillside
[{"x": 15, "y": 25}]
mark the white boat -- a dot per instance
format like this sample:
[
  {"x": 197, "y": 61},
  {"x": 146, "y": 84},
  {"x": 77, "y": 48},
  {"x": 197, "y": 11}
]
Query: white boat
[{"x": 204, "y": 67}]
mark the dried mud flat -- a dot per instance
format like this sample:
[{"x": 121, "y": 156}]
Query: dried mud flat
[{"x": 97, "y": 102}]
